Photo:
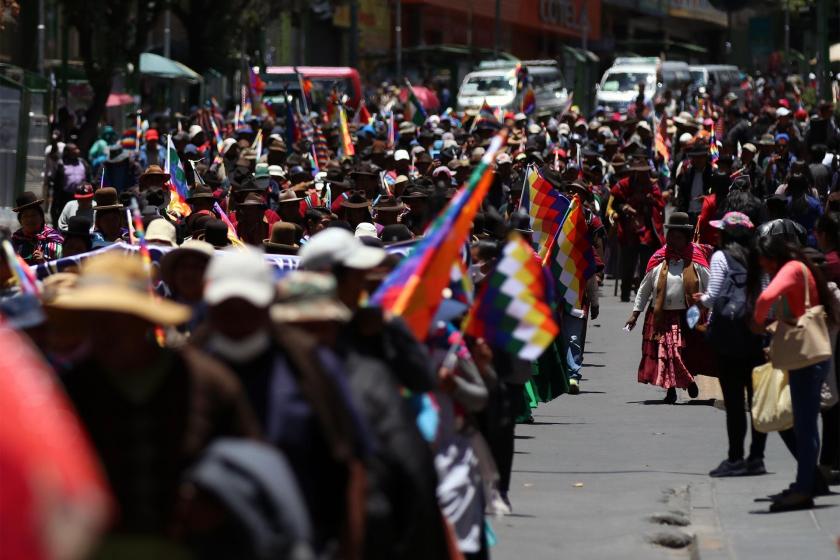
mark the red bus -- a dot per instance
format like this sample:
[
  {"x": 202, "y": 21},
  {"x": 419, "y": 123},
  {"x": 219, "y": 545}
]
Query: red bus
[{"x": 279, "y": 79}]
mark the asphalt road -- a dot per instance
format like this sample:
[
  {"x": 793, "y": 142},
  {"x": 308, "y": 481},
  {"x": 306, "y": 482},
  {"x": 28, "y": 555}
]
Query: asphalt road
[{"x": 594, "y": 468}]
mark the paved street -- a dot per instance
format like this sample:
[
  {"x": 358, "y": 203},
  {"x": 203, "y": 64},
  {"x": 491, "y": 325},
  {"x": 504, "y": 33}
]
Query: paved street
[{"x": 594, "y": 468}]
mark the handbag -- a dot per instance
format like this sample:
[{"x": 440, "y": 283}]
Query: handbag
[
  {"x": 799, "y": 344},
  {"x": 772, "y": 409}
]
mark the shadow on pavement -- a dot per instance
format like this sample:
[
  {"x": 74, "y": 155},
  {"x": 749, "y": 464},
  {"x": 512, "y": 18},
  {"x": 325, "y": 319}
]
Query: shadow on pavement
[{"x": 768, "y": 512}]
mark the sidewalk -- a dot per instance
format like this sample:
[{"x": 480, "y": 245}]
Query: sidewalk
[{"x": 595, "y": 468}]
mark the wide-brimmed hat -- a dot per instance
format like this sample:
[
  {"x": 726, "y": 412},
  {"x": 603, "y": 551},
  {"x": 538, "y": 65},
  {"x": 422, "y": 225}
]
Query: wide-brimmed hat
[
  {"x": 169, "y": 261},
  {"x": 77, "y": 226},
  {"x": 283, "y": 240},
  {"x": 766, "y": 140},
  {"x": 84, "y": 191},
  {"x": 679, "y": 220},
  {"x": 638, "y": 164},
  {"x": 200, "y": 191},
  {"x": 288, "y": 196},
  {"x": 117, "y": 154},
  {"x": 153, "y": 172},
  {"x": 414, "y": 192},
  {"x": 698, "y": 148},
  {"x": 161, "y": 232},
  {"x": 106, "y": 198},
  {"x": 253, "y": 199},
  {"x": 388, "y": 204},
  {"x": 118, "y": 282},
  {"x": 304, "y": 296},
  {"x": 578, "y": 188},
  {"x": 356, "y": 199},
  {"x": 27, "y": 200},
  {"x": 734, "y": 222}
]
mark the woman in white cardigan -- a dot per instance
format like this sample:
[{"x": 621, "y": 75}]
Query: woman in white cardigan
[{"x": 671, "y": 352}]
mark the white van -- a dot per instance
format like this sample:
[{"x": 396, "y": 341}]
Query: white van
[
  {"x": 619, "y": 87},
  {"x": 496, "y": 83},
  {"x": 717, "y": 79}
]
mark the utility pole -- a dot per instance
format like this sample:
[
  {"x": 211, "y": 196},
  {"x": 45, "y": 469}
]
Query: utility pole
[
  {"x": 398, "y": 36},
  {"x": 167, "y": 32},
  {"x": 497, "y": 37},
  {"x": 42, "y": 37},
  {"x": 354, "y": 33},
  {"x": 823, "y": 68},
  {"x": 787, "y": 31}
]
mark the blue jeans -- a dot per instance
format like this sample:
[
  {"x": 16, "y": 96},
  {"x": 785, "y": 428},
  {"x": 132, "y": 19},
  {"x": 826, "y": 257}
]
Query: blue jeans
[
  {"x": 805, "y": 385},
  {"x": 572, "y": 330}
]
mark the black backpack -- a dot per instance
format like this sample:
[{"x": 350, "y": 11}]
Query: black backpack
[{"x": 729, "y": 330}]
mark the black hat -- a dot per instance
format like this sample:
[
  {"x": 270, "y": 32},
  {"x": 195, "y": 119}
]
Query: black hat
[
  {"x": 27, "y": 200},
  {"x": 215, "y": 233},
  {"x": 78, "y": 226},
  {"x": 395, "y": 233},
  {"x": 679, "y": 220}
]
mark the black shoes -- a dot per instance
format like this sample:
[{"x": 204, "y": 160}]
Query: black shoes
[
  {"x": 729, "y": 468},
  {"x": 670, "y": 396},
  {"x": 792, "y": 501},
  {"x": 693, "y": 391},
  {"x": 755, "y": 467}
]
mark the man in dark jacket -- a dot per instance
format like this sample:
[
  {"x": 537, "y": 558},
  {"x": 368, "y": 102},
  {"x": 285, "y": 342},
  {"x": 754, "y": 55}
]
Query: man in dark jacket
[{"x": 693, "y": 181}]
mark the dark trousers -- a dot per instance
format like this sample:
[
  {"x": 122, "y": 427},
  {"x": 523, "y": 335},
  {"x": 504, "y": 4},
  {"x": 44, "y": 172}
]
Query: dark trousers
[
  {"x": 629, "y": 259},
  {"x": 497, "y": 425},
  {"x": 735, "y": 377},
  {"x": 830, "y": 455},
  {"x": 805, "y": 385}
]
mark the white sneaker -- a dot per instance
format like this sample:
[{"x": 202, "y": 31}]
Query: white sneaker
[{"x": 497, "y": 506}]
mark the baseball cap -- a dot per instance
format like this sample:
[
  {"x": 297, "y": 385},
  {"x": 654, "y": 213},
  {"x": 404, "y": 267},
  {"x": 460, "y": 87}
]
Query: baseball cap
[
  {"x": 782, "y": 112},
  {"x": 336, "y": 246},
  {"x": 152, "y": 134},
  {"x": 750, "y": 147},
  {"x": 308, "y": 296},
  {"x": 83, "y": 191},
  {"x": 365, "y": 229},
  {"x": 239, "y": 274},
  {"x": 401, "y": 155},
  {"x": 733, "y": 222},
  {"x": 195, "y": 130}
]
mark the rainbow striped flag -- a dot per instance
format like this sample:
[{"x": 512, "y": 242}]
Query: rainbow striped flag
[
  {"x": 414, "y": 289},
  {"x": 347, "y": 148},
  {"x": 529, "y": 101},
  {"x": 511, "y": 311},
  {"x": 419, "y": 114},
  {"x": 546, "y": 208},
  {"x": 714, "y": 152},
  {"x": 570, "y": 257},
  {"x": 178, "y": 189}
]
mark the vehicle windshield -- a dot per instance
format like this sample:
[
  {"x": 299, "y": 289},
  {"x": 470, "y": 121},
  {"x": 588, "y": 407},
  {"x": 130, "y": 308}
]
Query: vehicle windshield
[
  {"x": 626, "y": 81},
  {"x": 697, "y": 78},
  {"x": 489, "y": 85}
]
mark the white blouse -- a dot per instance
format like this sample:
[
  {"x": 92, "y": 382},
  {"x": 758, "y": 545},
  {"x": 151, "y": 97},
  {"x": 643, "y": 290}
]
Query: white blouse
[{"x": 674, "y": 290}]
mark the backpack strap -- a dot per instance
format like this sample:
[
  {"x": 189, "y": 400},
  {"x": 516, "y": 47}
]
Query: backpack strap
[{"x": 807, "y": 290}]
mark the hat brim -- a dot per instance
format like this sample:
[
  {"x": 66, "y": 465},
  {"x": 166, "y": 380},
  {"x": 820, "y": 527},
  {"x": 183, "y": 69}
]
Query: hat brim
[
  {"x": 147, "y": 176},
  {"x": 109, "y": 207},
  {"x": 83, "y": 196},
  {"x": 200, "y": 196},
  {"x": 118, "y": 299},
  {"x": 280, "y": 248},
  {"x": 324, "y": 309},
  {"x": 355, "y": 205},
  {"x": 256, "y": 293},
  {"x": 33, "y": 204},
  {"x": 364, "y": 258},
  {"x": 685, "y": 227}
]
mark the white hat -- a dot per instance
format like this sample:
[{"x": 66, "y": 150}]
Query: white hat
[
  {"x": 276, "y": 171},
  {"x": 685, "y": 137},
  {"x": 520, "y": 117},
  {"x": 447, "y": 136},
  {"x": 450, "y": 143},
  {"x": 239, "y": 274},
  {"x": 782, "y": 112},
  {"x": 337, "y": 246},
  {"x": 644, "y": 125},
  {"x": 162, "y": 232},
  {"x": 366, "y": 229},
  {"x": 433, "y": 119},
  {"x": 563, "y": 128},
  {"x": 194, "y": 130},
  {"x": 503, "y": 158},
  {"x": 227, "y": 143},
  {"x": 401, "y": 155},
  {"x": 534, "y": 128},
  {"x": 416, "y": 150},
  {"x": 750, "y": 147}
]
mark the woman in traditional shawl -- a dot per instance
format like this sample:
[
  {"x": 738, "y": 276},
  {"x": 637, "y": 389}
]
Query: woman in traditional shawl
[{"x": 670, "y": 350}]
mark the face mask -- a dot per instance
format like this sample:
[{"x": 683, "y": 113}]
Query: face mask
[
  {"x": 475, "y": 273},
  {"x": 239, "y": 351}
]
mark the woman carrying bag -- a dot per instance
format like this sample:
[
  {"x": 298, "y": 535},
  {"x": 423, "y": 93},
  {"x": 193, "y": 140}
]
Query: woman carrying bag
[
  {"x": 734, "y": 285},
  {"x": 801, "y": 346}
]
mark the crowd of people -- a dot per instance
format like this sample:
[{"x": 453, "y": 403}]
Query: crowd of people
[{"x": 240, "y": 409}]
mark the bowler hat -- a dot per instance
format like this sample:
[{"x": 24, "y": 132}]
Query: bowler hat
[
  {"x": 27, "y": 200},
  {"x": 153, "y": 172},
  {"x": 283, "y": 239},
  {"x": 106, "y": 198},
  {"x": 679, "y": 220}
]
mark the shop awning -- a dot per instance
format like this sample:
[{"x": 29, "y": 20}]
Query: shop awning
[
  {"x": 656, "y": 45},
  {"x": 161, "y": 67}
]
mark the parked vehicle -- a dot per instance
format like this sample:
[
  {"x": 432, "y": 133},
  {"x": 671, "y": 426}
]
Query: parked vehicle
[
  {"x": 717, "y": 79},
  {"x": 321, "y": 80},
  {"x": 498, "y": 83},
  {"x": 619, "y": 87}
]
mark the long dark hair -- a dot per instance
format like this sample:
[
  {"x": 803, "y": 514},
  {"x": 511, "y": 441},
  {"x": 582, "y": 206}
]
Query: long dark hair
[
  {"x": 829, "y": 225},
  {"x": 777, "y": 249}
]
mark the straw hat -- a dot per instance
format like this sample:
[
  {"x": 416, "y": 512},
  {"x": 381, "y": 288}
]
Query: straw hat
[
  {"x": 308, "y": 296},
  {"x": 117, "y": 283}
]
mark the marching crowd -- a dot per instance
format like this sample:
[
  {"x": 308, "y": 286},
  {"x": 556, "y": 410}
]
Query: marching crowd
[{"x": 239, "y": 408}]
